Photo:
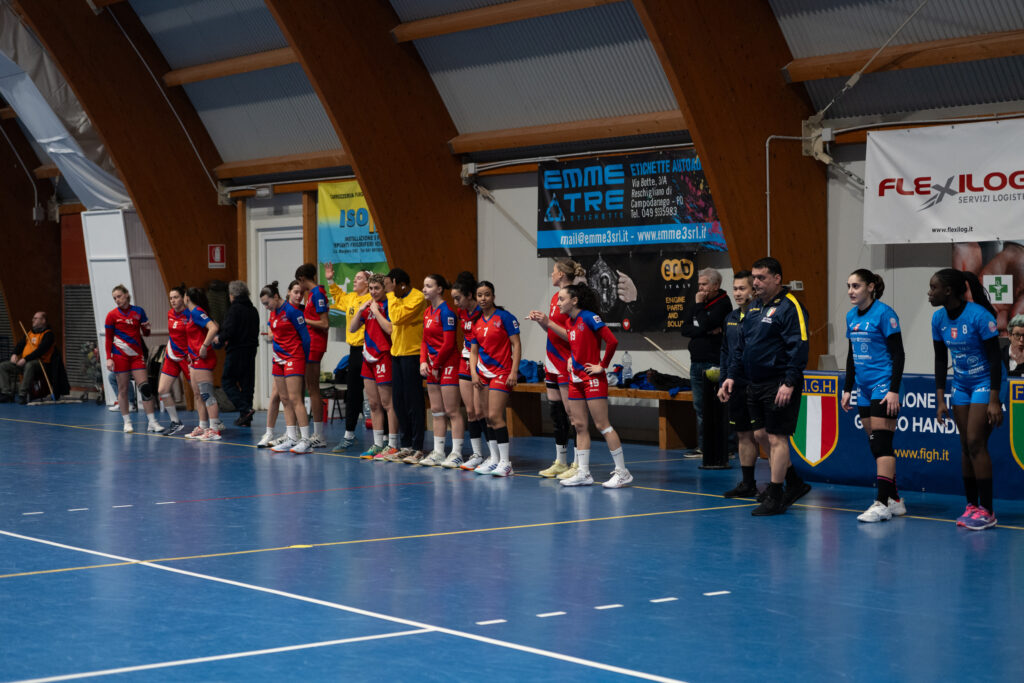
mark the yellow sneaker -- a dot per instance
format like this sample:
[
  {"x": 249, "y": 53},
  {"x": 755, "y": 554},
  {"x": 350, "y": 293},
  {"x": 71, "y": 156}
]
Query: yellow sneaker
[
  {"x": 569, "y": 472},
  {"x": 555, "y": 469}
]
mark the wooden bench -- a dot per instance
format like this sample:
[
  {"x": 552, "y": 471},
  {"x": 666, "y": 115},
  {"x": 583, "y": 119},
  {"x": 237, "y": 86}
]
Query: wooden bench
[{"x": 677, "y": 421}]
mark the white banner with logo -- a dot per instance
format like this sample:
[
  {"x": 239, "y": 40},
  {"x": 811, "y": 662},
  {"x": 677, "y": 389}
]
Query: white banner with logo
[{"x": 962, "y": 183}]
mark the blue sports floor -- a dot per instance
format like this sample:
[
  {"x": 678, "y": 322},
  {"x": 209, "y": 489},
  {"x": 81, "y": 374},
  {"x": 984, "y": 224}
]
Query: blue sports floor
[{"x": 148, "y": 558}]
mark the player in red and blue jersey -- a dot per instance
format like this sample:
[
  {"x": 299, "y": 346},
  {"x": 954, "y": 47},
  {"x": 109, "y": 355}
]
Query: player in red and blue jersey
[
  {"x": 318, "y": 321},
  {"x": 556, "y": 375},
  {"x": 125, "y": 326},
  {"x": 588, "y": 388},
  {"x": 175, "y": 355},
  {"x": 874, "y": 363},
  {"x": 464, "y": 296},
  {"x": 494, "y": 364},
  {"x": 439, "y": 364},
  {"x": 969, "y": 330},
  {"x": 200, "y": 331},
  {"x": 373, "y": 315},
  {"x": 291, "y": 347}
]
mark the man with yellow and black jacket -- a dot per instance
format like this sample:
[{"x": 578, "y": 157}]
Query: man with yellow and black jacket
[
  {"x": 28, "y": 357},
  {"x": 770, "y": 357},
  {"x": 405, "y": 309}
]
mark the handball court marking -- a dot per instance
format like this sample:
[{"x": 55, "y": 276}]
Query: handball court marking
[
  {"x": 344, "y": 608},
  {"x": 532, "y": 476}
]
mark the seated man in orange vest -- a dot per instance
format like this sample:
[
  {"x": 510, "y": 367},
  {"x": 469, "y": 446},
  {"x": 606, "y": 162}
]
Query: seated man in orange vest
[{"x": 29, "y": 354}]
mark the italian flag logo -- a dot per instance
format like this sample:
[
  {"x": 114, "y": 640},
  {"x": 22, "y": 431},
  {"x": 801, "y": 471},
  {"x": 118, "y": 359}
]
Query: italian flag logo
[
  {"x": 817, "y": 429},
  {"x": 1017, "y": 421}
]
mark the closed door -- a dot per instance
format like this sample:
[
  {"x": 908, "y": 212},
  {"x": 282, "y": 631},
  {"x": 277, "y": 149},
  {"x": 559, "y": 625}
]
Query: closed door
[{"x": 280, "y": 253}]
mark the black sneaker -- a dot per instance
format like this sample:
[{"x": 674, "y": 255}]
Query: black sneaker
[
  {"x": 23, "y": 399},
  {"x": 795, "y": 491},
  {"x": 245, "y": 418},
  {"x": 742, "y": 490},
  {"x": 772, "y": 505},
  {"x": 6, "y": 398}
]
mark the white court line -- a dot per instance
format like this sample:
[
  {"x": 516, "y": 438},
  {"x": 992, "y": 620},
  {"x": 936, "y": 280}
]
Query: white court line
[
  {"x": 77, "y": 509},
  {"x": 356, "y": 610},
  {"x": 607, "y": 606},
  {"x": 25, "y": 514},
  {"x": 122, "y": 506},
  {"x": 492, "y": 621},
  {"x": 664, "y": 600},
  {"x": 218, "y": 658},
  {"x": 717, "y": 593},
  {"x": 550, "y": 614},
  {"x": 168, "y": 502}
]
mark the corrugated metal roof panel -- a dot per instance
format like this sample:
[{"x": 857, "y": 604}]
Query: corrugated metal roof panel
[
  {"x": 191, "y": 32},
  {"x": 580, "y": 65},
  {"x": 820, "y": 27},
  {"x": 411, "y": 10},
  {"x": 265, "y": 113}
]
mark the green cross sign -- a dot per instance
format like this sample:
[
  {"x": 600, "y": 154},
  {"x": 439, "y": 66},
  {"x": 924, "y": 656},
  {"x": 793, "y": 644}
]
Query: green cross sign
[{"x": 997, "y": 289}]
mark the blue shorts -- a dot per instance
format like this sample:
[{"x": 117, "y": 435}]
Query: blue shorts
[
  {"x": 867, "y": 394},
  {"x": 978, "y": 392}
]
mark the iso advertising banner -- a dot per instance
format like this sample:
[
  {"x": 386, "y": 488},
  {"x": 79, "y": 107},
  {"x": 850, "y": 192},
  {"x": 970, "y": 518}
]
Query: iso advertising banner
[
  {"x": 626, "y": 203},
  {"x": 346, "y": 236},
  {"x": 961, "y": 183},
  {"x": 830, "y": 445}
]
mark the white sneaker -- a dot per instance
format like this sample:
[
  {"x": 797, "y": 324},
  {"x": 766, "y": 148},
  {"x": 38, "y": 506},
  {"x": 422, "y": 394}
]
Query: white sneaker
[
  {"x": 210, "y": 434},
  {"x": 155, "y": 428},
  {"x": 303, "y": 446},
  {"x": 487, "y": 466},
  {"x": 266, "y": 442},
  {"x": 878, "y": 512},
  {"x": 317, "y": 441},
  {"x": 503, "y": 470},
  {"x": 432, "y": 460},
  {"x": 897, "y": 507},
  {"x": 196, "y": 433},
  {"x": 114, "y": 408},
  {"x": 284, "y": 446},
  {"x": 578, "y": 479},
  {"x": 619, "y": 479},
  {"x": 280, "y": 440},
  {"x": 473, "y": 462},
  {"x": 128, "y": 429},
  {"x": 217, "y": 426},
  {"x": 452, "y": 461}
]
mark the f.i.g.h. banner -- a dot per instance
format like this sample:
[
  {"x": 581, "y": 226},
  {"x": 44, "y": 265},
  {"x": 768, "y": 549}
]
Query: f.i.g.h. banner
[
  {"x": 617, "y": 204},
  {"x": 962, "y": 183}
]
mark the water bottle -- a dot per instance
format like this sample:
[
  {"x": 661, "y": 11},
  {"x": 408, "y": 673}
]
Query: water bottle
[{"x": 627, "y": 367}]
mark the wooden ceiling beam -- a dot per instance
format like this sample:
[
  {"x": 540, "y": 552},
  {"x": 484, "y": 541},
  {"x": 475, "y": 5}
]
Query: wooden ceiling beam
[
  {"x": 572, "y": 131},
  {"x": 393, "y": 125},
  {"x": 733, "y": 101},
  {"x": 46, "y": 171},
  {"x": 505, "y": 13},
  {"x": 912, "y": 56},
  {"x": 8, "y": 113},
  {"x": 231, "y": 67},
  {"x": 283, "y": 164}
]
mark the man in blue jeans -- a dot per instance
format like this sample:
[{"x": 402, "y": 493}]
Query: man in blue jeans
[{"x": 702, "y": 322}]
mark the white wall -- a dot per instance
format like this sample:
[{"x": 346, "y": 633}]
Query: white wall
[{"x": 906, "y": 268}]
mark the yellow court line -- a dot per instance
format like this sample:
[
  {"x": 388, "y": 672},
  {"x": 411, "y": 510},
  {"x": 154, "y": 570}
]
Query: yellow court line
[{"x": 378, "y": 540}]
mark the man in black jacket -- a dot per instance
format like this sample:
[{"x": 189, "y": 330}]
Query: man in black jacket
[
  {"x": 702, "y": 322},
  {"x": 240, "y": 333}
]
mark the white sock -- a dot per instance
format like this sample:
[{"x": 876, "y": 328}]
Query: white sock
[
  {"x": 583, "y": 460},
  {"x": 620, "y": 461},
  {"x": 304, "y": 432},
  {"x": 378, "y": 437},
  {"x": 204, "y": 425},
  {"x": 127, "y": 419},
  {"x": 293, "y": 432},
  {"x": 318, "y": 428},
  {"x": 152, "y": 418},
  {"x": 561, "y": 453},
  {"x": 352, "y": 435},
  {"x": 477, "y": 444},
  {"x": 439, "y": 444},
  {"x": 503, "y": 453},
  {"x": 457, "y": 446},
  {"x": 269, "y": 432},
  {"x": 392, "y": 440},
  {"x": 172, "y": 410},
  {"x": 492, "y": 446}
]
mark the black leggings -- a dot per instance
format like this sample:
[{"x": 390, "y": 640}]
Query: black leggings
[{"x": 354, "y": 390}]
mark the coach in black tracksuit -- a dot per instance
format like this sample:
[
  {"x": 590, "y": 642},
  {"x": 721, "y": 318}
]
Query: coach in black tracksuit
[
  {"x": 771, "y": 357},
  {"x": 240, "y": 333}
]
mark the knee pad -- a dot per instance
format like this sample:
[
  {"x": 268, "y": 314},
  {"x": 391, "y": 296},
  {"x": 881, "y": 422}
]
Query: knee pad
[
  {"x": 146, "y": 391},
  {"x": 437, "y": 415},
  {"x": 881, "y": 443},
  {"x": 206, "y": 393},
  {"x": 561, "y": 422}
]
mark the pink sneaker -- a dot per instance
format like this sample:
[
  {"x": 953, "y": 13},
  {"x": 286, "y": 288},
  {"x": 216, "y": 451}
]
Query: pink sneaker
[
  {"x": 210, "y": 435},
  {"x": 971, "y": 510},
  {"x": 196, "y": 433},
  {"x": 981, "y": 519}
]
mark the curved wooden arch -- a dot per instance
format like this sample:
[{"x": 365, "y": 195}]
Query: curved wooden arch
[{"x": 169, "y": 186}]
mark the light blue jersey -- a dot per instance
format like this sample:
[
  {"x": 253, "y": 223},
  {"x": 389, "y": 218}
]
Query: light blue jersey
[
  {"x": 965, "y": 338},
  {"x": 867, "y": 333}
]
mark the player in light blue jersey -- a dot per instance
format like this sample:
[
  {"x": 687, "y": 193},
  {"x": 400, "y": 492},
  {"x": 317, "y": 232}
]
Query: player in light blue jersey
[
  {"x": 874, "y": 363},
  {"x": 968, "y": 329}
]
